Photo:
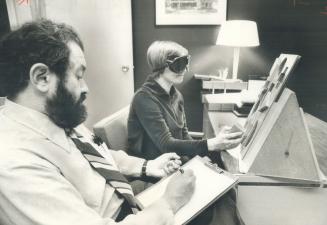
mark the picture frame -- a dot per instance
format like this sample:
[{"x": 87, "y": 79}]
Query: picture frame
[{"x": 190, "y": 12}]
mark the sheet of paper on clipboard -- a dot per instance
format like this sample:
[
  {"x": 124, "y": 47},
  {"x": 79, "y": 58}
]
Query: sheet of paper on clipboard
[{"x": 211, "y": 183}]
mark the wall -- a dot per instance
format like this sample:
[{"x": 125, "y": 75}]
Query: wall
[
  {"x": 105, "y": 28},
  {"x": 4, "y": 21},
  {"x": 4, "y": 28},
  {"x": 288, "y": 26}
]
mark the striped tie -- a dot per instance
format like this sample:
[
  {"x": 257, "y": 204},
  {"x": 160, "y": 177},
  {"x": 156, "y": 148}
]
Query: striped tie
[{"x": 108, "y": 171}]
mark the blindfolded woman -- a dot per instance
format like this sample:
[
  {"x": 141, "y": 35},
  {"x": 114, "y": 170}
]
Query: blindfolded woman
[{"x": 157, "y": 122}]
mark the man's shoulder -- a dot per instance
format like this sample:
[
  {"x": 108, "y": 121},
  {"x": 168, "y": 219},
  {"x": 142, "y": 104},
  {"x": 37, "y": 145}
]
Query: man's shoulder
[
  {"x": 14, "y": 132},
  {"x": 20, "y": 145}
]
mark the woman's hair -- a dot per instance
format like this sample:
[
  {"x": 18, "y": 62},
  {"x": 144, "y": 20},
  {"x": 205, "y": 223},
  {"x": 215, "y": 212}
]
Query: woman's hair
[{"x": 159, "y": 52}]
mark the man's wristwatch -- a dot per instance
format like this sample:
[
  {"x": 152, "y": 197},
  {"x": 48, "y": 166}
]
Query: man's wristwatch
[{"x": 143, "y": 171}]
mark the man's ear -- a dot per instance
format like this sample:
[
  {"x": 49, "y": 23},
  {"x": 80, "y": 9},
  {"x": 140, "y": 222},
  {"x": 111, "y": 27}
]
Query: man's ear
[{"x": 41, "y": 77}]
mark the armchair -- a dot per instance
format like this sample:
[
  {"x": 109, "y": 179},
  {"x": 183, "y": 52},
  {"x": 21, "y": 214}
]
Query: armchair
[{"x": 113, "y": 129}]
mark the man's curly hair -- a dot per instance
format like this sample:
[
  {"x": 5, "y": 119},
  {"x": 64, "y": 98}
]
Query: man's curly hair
[{"x": 42, "y": 41}]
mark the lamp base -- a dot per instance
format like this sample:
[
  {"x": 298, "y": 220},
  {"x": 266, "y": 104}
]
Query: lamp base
[{"x": 236, "y": 58}]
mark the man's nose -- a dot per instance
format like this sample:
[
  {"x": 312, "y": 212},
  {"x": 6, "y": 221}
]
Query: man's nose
[{"x": 84, "y": 87}]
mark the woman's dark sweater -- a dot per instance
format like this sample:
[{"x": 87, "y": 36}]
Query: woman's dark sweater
[{"x": 157, "y": 124}]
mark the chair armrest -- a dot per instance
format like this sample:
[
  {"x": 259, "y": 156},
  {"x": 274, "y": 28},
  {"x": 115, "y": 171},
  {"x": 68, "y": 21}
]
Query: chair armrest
[{"x": 196, "y": 135}]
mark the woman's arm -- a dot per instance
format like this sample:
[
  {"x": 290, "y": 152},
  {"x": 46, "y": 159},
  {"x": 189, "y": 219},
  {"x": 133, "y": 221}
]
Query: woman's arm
[{"x": 186, "y": 135}]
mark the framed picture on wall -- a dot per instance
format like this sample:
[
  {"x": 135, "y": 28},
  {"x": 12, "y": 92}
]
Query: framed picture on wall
[{"x": 190, "y": 12}]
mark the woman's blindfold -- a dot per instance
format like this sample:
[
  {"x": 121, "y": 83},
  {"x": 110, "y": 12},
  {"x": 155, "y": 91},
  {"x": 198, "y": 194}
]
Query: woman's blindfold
[{"x": 177, "y": 65}]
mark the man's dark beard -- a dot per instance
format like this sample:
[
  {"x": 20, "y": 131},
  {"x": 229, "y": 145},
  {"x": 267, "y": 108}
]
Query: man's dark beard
[{"x": 64, "y": 110}]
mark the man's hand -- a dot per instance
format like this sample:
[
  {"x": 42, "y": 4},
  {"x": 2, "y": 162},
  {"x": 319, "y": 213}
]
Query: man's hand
[
  {"x": 180, "y": 189},
  {"x": 225, "y": 140},
  {"x": 163, "y": 165}
]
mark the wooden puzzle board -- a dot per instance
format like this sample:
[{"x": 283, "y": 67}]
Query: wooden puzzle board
[
  {"x": 283, "y": 147},
  {"x": 276, "y": 140},
  {"x": 271, "y": 91}
]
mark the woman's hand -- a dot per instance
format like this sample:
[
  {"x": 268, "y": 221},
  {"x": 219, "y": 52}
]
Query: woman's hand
[
  {"x": 224, "y": 140},
  {"x": 163, "y": 165}
]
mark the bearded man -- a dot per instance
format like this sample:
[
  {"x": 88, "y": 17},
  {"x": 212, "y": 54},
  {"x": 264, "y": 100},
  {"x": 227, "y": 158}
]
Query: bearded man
[{"x": 51, "y": 172}]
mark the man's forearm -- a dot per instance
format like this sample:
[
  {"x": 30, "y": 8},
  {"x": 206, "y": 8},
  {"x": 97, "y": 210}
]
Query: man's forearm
[{"x": 128, "y": 165}]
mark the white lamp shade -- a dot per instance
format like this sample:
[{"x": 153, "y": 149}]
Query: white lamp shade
[{"x": 238, "y": 33}]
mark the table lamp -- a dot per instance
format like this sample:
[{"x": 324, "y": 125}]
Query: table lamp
[{"x": 238, "y": 33}]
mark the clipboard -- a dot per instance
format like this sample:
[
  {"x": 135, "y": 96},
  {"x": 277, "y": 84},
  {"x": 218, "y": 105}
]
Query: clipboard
[{"x": 211, "y": 183}]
